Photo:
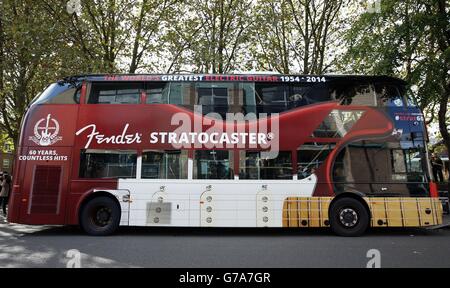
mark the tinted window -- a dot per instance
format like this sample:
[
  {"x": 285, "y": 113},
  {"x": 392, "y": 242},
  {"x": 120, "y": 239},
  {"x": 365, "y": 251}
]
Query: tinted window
[
  {"x": 380, "y": 168},
  {"x": 311, "y": 156},
  {"x": 59, "y": 93},
  {"x": 306, "y": 94},
  {"x": 213, "y": 99},
  {"x": 218, "y": 97},
  {"x": 359, "y": 165},
  {"x": 164, "y": 164},
  {"x": 270, "y": 98},
  {"x": 107, "y": 164},
  {"x": 156, "y": 93},
  {"x": 337, "y": 124},
  {"x": 408, "y": 164},
  {"x": 179, "y": 93},
  {"x": 353, "y": 93},
  {"x": 256, "y": 166},
  {"x": 215, "y": 164},
  {"x": 222, "y": 98},
  {"x": 388, "y": 95},
  {"x": 115, "y": 93}
]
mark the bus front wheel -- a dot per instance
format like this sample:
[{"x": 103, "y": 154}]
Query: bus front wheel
[
  {"x": 348, "y": 217},
  {"x": 100, "y": 216}
]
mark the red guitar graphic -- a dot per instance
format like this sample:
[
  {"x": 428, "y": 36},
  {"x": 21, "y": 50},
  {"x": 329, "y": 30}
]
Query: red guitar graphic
[{"x": 45, "y": 135}]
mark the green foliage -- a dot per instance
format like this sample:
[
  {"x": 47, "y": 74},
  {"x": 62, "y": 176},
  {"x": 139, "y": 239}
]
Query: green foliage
[
  {"x": 408, "y": 39},
  {"x": 296, "y": 36}
]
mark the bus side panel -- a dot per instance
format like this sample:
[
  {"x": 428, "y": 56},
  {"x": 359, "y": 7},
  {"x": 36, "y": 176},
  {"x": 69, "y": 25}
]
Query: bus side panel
[
  {"x": 44, "y": 161},
  {"x": 15, "y": 195},
  {"x": 45, "y": 187},
  {"x": 80, "y": 189}
]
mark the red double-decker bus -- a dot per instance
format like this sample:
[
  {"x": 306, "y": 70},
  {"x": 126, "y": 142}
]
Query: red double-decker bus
[{"x": 103, "y": 151}]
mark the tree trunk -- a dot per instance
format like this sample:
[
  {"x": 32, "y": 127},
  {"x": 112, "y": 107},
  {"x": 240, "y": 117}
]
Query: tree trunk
[{"x": 134, "y": 57}]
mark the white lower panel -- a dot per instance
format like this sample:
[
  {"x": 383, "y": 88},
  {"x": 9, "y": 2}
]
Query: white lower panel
[{"x": 213, "y": 203}]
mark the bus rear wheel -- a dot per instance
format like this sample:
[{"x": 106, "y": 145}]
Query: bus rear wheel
[
  {"x": 100, "y": 216},
  {"x": 348, "y": 217}
]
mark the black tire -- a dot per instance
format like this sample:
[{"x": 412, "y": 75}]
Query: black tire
[
  {"x": 349, "y": 217},
  {"x": 100, "y": 216}
]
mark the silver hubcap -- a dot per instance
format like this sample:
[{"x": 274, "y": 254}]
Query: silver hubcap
[{"x": 348, "y": 217}]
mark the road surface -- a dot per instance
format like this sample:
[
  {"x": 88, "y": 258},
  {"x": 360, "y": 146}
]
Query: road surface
[{"x": 55, "y": 246}]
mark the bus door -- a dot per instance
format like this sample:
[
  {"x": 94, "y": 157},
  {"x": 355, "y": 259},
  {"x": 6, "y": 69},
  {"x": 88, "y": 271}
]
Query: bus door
[
  {"x": 389, "y": 168},
  {"x": 45, "y": 187},
  {"x": 413, "y": 143},
  {"x": 407, "y": 160}
]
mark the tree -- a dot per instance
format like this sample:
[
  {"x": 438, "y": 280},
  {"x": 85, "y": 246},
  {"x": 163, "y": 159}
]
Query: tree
[
  {"x": 220, "y": 43},
  {"x": 295, "y": 35},
  {"x": 153, "y": 17},
  {"x": 27, "y": 59},
  {"x": 440, "y": 32},
  {"x": 122, "y": 36},
  {"x": 409, "y": 39},
  {"x": 98, "y": 35}
]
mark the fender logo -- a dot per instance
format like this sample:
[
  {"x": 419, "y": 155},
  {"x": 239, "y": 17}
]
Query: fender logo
[{"x": 122, "y": 138}]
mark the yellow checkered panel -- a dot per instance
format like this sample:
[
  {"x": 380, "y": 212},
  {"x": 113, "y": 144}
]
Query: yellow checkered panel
[
  {"x": 385, "y": 212},
  {"x": 405, "y": 212},
  {"x": 306, "y": 211}
]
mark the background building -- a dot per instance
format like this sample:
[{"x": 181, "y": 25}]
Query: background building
[{"x": 6, "y": 161}]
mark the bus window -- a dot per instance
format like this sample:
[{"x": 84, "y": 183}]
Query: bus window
[
  {"x": 222, "y": 98},
  {"x": 310, "y": 156},
  {"x": 388, "y": 95},
  {"x": 256, "y": 167},
  {"x": 337, "y": 124},
  {"x": 248, "y": 98},
  {"x": 213, "y": 164},
  {"x": 59, "y": 93},
  {"x": 214, "y": 97},
  {"x": 107, "y": 164},
  {"x": 156, "y": 93},
  {"x": 359, "y": 164},
  {"x": 78, "y": 95},
  {"x": 270, "y": 98},
  {"x": 350, "y": 93},
  {"x": 304, "y": 94},
  {"x": 380, "y": 168},
  {"x": 164, "y": 164},
  {"x": 178, "y": 93},
  {"x": 360, "y": 95},
  {"x": 409, "y": 169},
  {"x": 408, "y": 164},
  {"x": 115, "y": 93}
]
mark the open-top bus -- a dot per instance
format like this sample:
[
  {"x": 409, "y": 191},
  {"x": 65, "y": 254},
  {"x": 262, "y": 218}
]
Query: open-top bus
[{"x": 103, "y": 151}]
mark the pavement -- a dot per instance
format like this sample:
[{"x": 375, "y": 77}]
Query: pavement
[{"x": 57, "y": 246}]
